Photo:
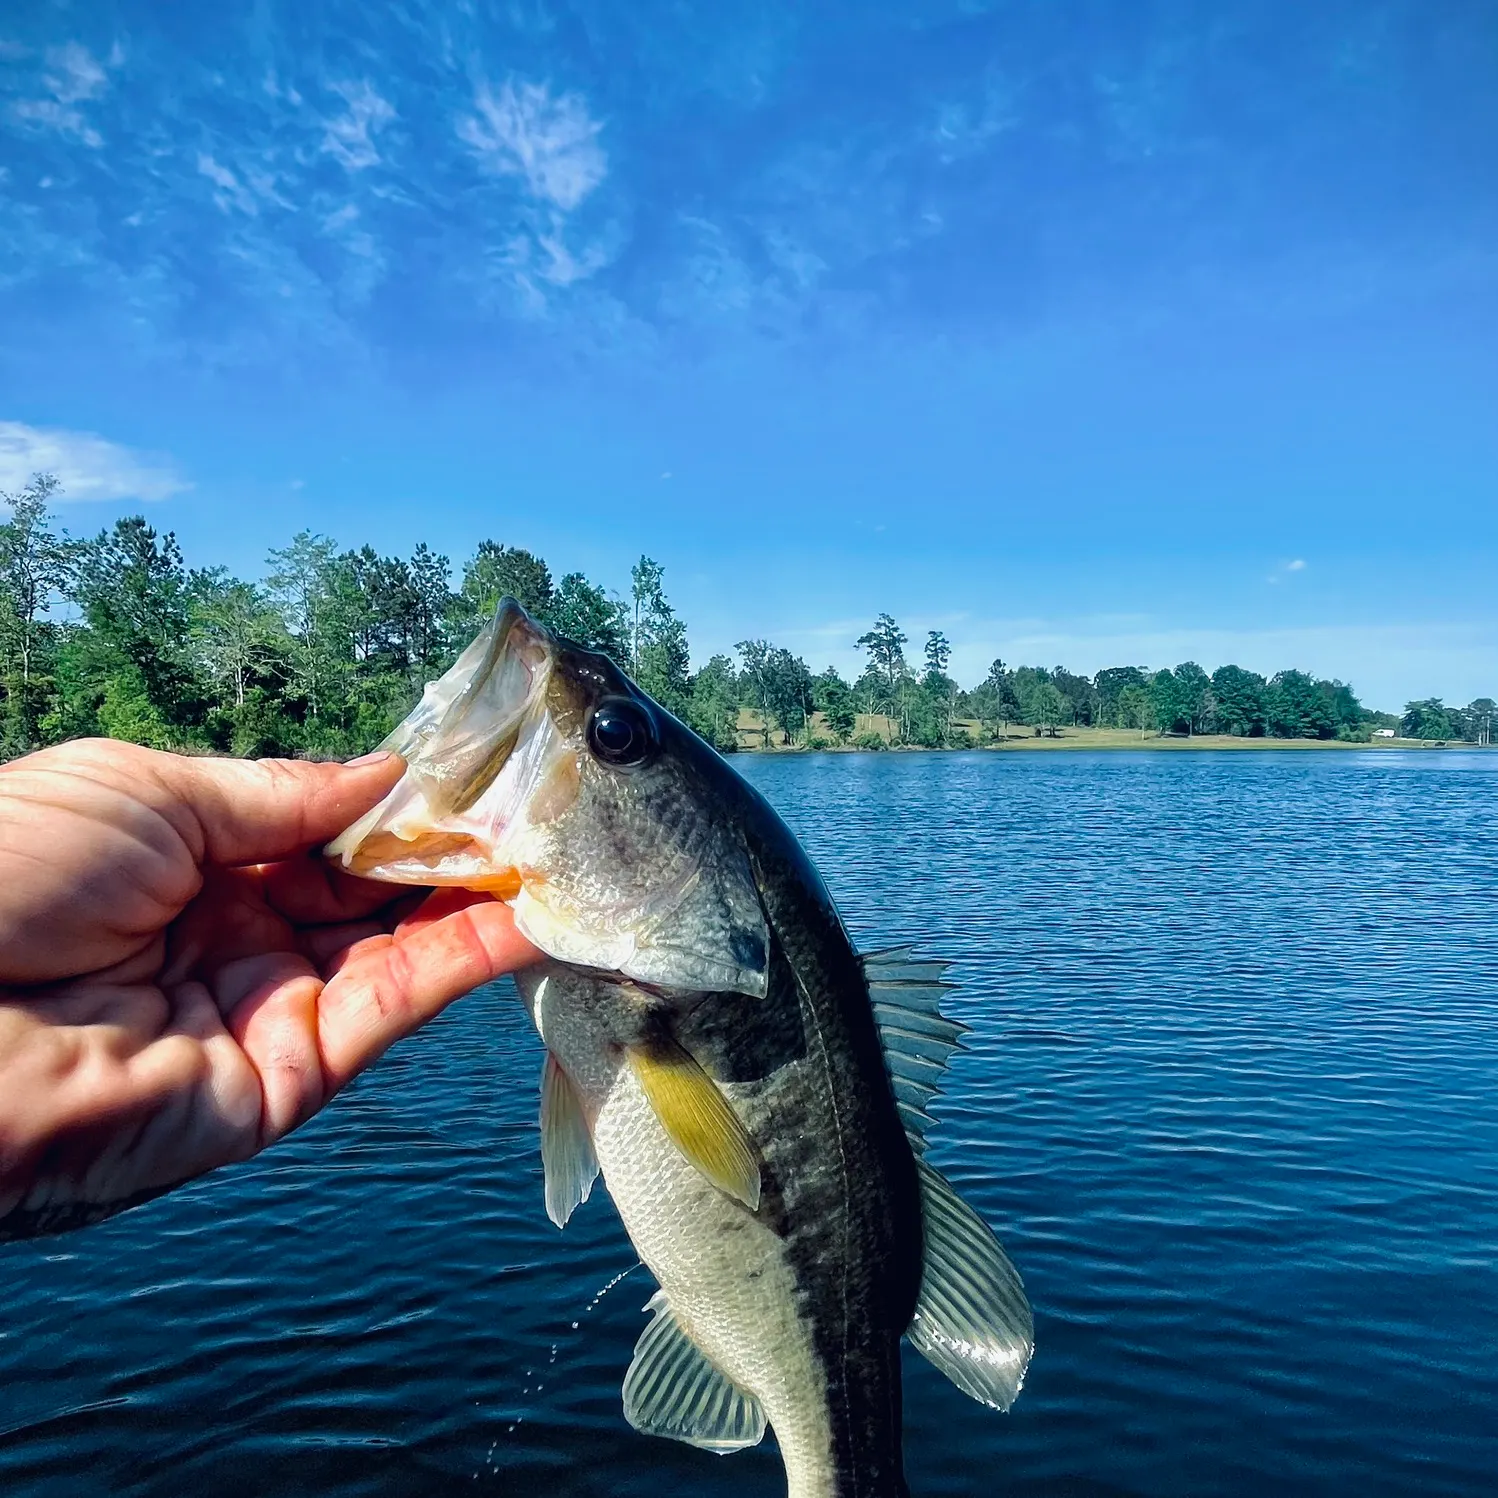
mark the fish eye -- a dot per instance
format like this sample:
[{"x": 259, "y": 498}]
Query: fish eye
[{"x": 621, "y": 733}]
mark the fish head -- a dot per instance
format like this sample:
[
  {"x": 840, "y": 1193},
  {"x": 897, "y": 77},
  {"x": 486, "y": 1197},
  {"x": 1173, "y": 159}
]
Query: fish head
[{"x": 537, "y": 771}]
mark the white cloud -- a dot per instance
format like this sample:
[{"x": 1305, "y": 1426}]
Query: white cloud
[
  {"x": 549, "y": 140},
  {"x": 1285, "y": 569},
  {"x": 231, "y": 192},
  {"x": 73, "y": 77},
  {"x": 351, "y": 136},
  {"x": 87, "y": 467},
  {"x": 244, "y": 191}
]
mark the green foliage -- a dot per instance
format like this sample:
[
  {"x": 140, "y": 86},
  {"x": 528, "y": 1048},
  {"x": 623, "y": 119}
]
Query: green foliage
[
  {"x": 587, "y": 616},
  {"x": 713, "y": 707},
  {"x": 495, "y": 572},
  {"x": 1239, "y": 695},
  {"x": 660, "y": 660},
  {"x": 1297, "y": 708},
  {"x": 1110, "y": 685},
  {"x": 36, "y": 567},
  {"x": 787, "y": 692},
  {"x": 1427, "y": 719},
  {"x": 133, "y": 590},
  {"x": 885, "y": 644},
  {"x": 835, "y": 700},
  {"x": 1135, "y": 706},
  {"x": 116, "y": 636}
]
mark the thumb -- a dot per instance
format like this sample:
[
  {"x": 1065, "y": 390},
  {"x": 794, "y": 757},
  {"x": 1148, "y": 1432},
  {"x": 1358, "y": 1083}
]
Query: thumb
[{"x": 236, "y": 811}]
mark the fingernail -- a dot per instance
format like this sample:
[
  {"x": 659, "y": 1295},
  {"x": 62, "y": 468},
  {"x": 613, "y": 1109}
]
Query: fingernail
[{"x": 379, "y": 757}]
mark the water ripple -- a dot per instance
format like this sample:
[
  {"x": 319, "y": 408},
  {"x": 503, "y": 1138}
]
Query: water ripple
[{"x": 1229, "y": 1098}]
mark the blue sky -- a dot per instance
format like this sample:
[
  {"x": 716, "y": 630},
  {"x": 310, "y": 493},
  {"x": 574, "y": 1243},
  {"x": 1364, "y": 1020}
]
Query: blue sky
[{"x": 1088, "y": 333}]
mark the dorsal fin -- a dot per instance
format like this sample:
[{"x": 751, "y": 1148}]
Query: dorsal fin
[
  {"x": 673, "y": 1390},
  {"x": 906, "y": 992}
]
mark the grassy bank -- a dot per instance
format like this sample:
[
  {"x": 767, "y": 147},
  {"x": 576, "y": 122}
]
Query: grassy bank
[{"x": 753, "y": 739}]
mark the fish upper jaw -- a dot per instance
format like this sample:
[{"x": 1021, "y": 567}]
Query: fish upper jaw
[{"x": 475, "y": 746}]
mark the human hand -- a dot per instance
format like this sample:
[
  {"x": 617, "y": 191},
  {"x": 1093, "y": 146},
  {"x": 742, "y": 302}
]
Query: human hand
[{"x": 184, "y": 980}]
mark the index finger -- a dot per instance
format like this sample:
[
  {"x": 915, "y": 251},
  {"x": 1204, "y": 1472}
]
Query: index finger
[{"x": 389, "y": 986}]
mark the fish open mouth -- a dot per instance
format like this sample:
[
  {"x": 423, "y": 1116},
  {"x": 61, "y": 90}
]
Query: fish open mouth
[{"x": 457, "y": 743}]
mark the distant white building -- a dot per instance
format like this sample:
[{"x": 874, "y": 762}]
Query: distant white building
[{"x": 1383, "y": 733}]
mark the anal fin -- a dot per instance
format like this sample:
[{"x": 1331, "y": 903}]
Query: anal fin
[
  {"x": 972, "y": 1319},
  {"x": 672, "y": 1389},
  {"x": 566, "y": 1144},
  {"x": 697, "y": 1118}
]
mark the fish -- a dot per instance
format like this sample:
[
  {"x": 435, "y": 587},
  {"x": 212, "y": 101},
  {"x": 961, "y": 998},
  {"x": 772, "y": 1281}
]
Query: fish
[{"x": 753, "y": 1091}]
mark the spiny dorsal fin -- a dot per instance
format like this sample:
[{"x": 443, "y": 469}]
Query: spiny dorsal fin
[
  {"x": 906, "y": 992},
  {"x": 697, "y": 1118},
  {"x": 566, "y": 1144},
  {"x": 672, "y": 1390},
  {"x": 972, "y": 1319}
]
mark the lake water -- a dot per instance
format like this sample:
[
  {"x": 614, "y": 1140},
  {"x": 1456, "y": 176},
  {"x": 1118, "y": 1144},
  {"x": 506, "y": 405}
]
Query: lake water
[{"x": 1231, "y": 1102}]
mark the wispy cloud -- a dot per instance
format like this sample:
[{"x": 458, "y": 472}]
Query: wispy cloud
[
  {"x": 548, "y": 139},
  {"x": 72, "y": 78},
  {"x": 351, "y": 137},
  {"x": 1286, "y": 569},
  {"x": 87, "y": 467}
]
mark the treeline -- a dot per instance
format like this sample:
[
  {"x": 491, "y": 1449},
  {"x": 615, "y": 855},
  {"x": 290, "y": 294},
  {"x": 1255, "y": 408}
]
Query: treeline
[{"x": 117, "y": 635}]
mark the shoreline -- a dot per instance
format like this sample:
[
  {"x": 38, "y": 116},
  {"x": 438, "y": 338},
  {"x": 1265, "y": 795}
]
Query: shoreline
[{"x": 1127, "y": 739}]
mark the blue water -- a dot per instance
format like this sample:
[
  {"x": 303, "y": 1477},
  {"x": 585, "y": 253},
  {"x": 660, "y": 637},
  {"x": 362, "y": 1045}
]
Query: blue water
[{"x": 1231, "y": 1101}]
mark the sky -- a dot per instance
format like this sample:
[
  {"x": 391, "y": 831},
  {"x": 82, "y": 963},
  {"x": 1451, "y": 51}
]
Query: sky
[{"x": 1087, "y": 333}]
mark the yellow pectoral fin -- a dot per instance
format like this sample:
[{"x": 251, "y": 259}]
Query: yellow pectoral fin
[{"x": 698, "y": 1119}]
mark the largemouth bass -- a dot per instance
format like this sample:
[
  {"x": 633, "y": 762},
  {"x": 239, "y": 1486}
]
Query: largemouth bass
[{"x": 753, "y": 1091}]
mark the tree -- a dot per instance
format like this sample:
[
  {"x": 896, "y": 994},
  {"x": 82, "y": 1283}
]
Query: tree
[
  {"x": 1343, "y": 706},
  {"x": 1166, "y": 700},
  {"x": 713, "y": 710},
  {"x": 833, "y": 698},
  {"x": 302, "y": 582},
  {"x": 754, "y": 681},
  {"x": 646, "y": 579},
  {"x": 658, "y": 645},
  {"x": 939, "y": 688},
  {"x": 1428, "y": 718},
  {"x": 938, "y": 653},
  {"x": 132, "y": 586},
  {"x": 1050, "y": 707},
  {"x": 1029, "y": 683},
  {"x": 994, "y": 702},
  {"x": 495, "y": 572},
  {"x": 431, "y": 604},
  {"x": 1479, "y": 717},
  {"x": 36, "y": 567},
  {"x": 1239, "y": 696},
  {"x": 885, "y": 645},
  {"x": 1083, "y": 702},
  {"x": 1136, "y": 708},
  {"x": 235, "y": 633},
  {"x": 1297, "y": 709},
  {"x": 1194, "y": 701},
  {"x": 788, "y": 692},
  {"x": 1109, "y": 685},
  {"x": 587, "y": 616}
]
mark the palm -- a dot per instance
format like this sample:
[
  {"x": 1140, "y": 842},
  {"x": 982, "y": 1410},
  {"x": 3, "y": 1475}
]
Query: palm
[{"x": 194, "y": 1011}]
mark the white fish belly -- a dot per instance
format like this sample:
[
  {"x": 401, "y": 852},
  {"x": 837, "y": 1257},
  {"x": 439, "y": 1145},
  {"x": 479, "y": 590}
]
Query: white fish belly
[{"x": 724, "y": 1273}]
